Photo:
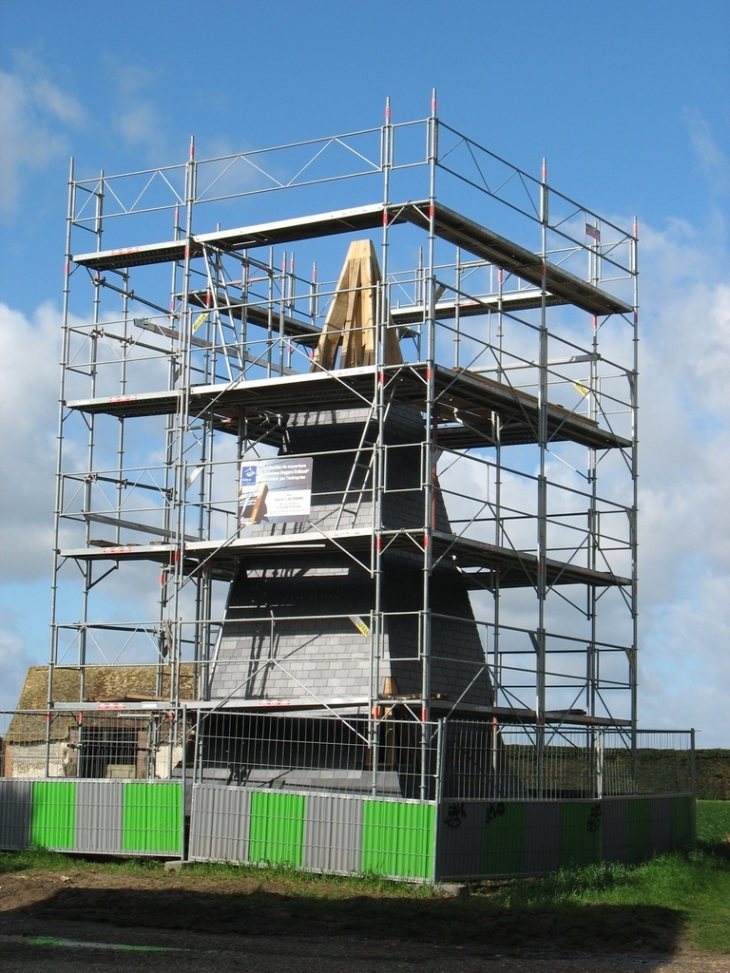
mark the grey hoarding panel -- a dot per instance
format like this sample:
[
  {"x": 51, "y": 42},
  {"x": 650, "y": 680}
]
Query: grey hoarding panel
[
  {"x": 614, "y": 830},
  {"x": 219, "y": 823},
  {"x": 541, "y": 838},
  {"x": 333, "y": 834},
  {"x": 460, "y": 840},
  {"x": 660, "y": 824},
  {"x": 16, "y": 810},
  {"x": 99, "y": 812}
]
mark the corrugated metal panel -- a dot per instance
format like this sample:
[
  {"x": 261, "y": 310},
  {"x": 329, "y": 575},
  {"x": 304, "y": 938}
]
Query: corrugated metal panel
[
  {"x": 152, "y": 818},
  {"x": 54, "y": 807},
  {"x": 614, "y": 840},
  {"x": 580, "y": 833},
  {"x": 503, "y": 838},
  {"x": 99, "y": 807},
  {"x": 541, "y": 838},
  {"x": 219, "y": 823},
  {"x": 16, "y": 811},
  {"x": 333, "y": 834},
  {"x": 660, "y": 824},
  {"x": 637, "y": 831},
  {"x": 460, "y": 844},
  {"x": 277, "y": 828},
  {"x": 397, "y": 839},
  {"x": 682, "y": 809}
]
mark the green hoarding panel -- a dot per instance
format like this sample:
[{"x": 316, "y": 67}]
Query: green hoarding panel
[
  {"x": 580, "y": 834},
  {"x": 503, "y": 838},
  {"x": 276, "y": 833},
  {"x": 152, "y": 818},
  {"x": 681, "y": 812},
  {"x": 638, "y": 833},
  {"x": 54, "y": 814},
  {"x": 397, "y": 839}
]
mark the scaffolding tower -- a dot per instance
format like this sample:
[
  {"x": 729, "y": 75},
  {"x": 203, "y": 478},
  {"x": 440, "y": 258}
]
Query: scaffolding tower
[{"x": 463, "y": 415}]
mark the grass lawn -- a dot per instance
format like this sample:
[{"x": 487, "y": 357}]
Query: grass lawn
[
  {"x": 604, "y": 907},
  {"x": 713, "y": 822},
  {"x": 694, "y": 884}
]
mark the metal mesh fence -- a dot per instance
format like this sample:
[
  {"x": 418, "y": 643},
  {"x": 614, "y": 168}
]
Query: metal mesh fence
[
  {"x": 106, "y": 744},
  {"x": 483, "y": 761},
  {"x": 389, "y": 758},
  {"x": 663, "y": 763},
  {"x": 394, "y": 758}
]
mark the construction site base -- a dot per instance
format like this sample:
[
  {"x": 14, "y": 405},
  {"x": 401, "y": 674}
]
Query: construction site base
[{"x": 418, "y": 841}]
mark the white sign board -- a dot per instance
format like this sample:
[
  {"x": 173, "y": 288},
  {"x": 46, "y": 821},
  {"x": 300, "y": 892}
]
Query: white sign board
[{"x": 275, "y": 490}]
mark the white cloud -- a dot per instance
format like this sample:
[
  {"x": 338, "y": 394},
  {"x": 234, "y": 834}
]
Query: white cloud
[
  {"x": 714, "y": 163},
  {"x": 137, "y": 118},
  {"x": 685, "y": 426},
  {"x": 29, "y": 355},
  {"x": 685, "y": 468},
  {"x": 139, "y": 123},
  {"x": 55, "y": 102},
  {"x": 14, "y": 663},
  {"x": 686, "y": 675},
  {"x": 33, "y": 116}
]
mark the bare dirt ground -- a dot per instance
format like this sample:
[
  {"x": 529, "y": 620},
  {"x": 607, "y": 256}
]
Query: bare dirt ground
[{"x": 118, "y": 921}]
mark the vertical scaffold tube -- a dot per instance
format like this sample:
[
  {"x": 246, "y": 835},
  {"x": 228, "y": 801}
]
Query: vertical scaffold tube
[
  {"x": 633, "y": 662},
  {"x": 429, "y": 452},
  {"x": 377, "y": 633},
  {"x": 540, "y": 646},
  {"x": 58, "y": 501},
  {"x": 181, "y": 433}
]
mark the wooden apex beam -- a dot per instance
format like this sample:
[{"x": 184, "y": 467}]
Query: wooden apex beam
[{"x": 352, "y": 319}]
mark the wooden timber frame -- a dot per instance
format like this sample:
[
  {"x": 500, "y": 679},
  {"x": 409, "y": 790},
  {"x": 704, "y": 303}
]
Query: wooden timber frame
[{"x": 351, "y": 323}]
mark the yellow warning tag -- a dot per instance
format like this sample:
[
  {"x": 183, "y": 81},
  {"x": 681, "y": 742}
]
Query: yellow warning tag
[{"x": 360, "y": 626}]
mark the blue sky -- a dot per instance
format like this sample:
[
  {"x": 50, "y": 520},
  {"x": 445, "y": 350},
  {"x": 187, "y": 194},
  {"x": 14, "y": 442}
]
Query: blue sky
[{"x": 629, "y": 102}]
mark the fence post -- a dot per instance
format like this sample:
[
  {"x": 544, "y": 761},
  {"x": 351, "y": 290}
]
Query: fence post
[
  {"x": 183, "y": 765},
  {"x": 438, "y": 790},
  {"x": 49, "y": 718},
  {"x": 693, "y": 782},
  {"x": 196, "y": 749},
  {"x": 440, "y": 757},
  {"x": 601, "y": 741}
]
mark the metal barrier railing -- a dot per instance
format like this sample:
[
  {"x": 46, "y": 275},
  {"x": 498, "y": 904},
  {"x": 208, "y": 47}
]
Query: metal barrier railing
[
  {"x": 106, "y": 743},
  {"x": 447, "y": 760},
  {"x": 508, "y": 762},
  {"x": 353, "y": 755}
]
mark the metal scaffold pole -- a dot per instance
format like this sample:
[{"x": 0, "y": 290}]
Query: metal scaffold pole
[
  {"x": 59, "y": 437},
  {"x": 592, "y": 539},
  {"x": 58, "y": 501},
  {"x": 499, "y": 532},
  {"x": 542, "y": 538},
  {"x": 182, "y": 435},
  {"x": 92, "y": 366},
  {"x": 378, "y": 623},
  {"x": 429, "y": 475},
  {"x": 633, "y": 526}
]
